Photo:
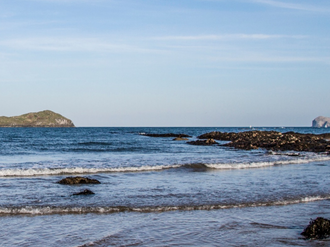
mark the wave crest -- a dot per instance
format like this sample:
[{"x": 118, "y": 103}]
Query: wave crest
[
  {"x": 195, "y": 166},
  {"x": 76, "y": 170},
  {"x": 49, "y": 210}
]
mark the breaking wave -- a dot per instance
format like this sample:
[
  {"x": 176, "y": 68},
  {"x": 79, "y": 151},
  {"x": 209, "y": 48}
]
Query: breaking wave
[
  {"x": 76, "y": 170},
  {"x": 50, "y": 210},
  {"x": 195, "y": 166},
  {"x": 266, "y": 164}
]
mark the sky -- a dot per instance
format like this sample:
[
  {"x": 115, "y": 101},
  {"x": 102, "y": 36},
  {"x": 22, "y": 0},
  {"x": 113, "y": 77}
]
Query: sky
[{"x": 126, "y": 63}]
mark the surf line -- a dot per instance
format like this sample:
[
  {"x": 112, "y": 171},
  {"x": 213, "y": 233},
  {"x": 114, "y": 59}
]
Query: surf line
[
  {"x": 195, "y": 166},
  {"x": 50, "y": 210}
]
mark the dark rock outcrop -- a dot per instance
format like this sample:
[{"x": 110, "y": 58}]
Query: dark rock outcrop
[
  {"x": 37, "y": 119},
  {"x": 317, "y": 229},
  {"x": 78, "y": 180},
  {"x": 272, "y": 140},
  {"x": 207, "y": 142},
  {"x": 84, "y": 192},
  {"x": 321, "y": 122},
  {"x": 165, "y": 135}
]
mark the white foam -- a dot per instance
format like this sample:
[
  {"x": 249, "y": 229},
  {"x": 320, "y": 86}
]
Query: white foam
[
  {"x": 48, "y": 210},
  {"x": 219, "y": 166},
  {"x": 226, "y": 166},
  {"x": 303, "y": 200},
  {"x": 77, "y": 170}
]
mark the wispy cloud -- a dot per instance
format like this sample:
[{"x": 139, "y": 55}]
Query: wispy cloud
[
  {"x": 288, "y": 5},
  {"x": 231, "y": 50},
  {"x": 72, "y": 1},
  {"x": 256, "y": 58},
  {"x": 64, "y": 44},
  {"x": 83, "y": 44},
  {"x": 229, "y": 37}
]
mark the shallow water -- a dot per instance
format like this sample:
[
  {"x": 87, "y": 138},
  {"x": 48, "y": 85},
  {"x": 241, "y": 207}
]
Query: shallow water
[{"x": 155, "y": 191}]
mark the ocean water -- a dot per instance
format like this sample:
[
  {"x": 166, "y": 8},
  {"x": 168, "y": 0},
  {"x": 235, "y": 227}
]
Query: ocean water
[{"x": 155, "y": 191}]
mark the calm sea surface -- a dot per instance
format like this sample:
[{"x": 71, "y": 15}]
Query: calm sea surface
[{"x": 155, "y": 191}]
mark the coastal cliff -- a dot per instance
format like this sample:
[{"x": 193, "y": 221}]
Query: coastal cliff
[
  {"x": 321, "y": 122},
  {"x": 37, "y": 119}
]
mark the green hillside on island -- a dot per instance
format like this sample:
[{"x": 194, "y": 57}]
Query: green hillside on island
[{"x": 37, "y": 119}]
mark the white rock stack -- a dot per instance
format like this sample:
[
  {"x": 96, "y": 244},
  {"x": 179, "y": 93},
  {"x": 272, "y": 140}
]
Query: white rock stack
[{"x": 321, "y": 122}]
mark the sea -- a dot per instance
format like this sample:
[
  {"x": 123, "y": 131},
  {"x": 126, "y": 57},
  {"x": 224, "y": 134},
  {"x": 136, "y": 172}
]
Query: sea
[{"x": 156, "y": 191}]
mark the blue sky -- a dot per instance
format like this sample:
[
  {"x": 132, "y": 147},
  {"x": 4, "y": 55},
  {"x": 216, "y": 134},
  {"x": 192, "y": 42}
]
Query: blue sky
[{"x": 167, "y": 62}]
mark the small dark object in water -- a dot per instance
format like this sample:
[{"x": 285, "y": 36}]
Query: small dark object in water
[
  {"x": 78, "y": 180},
  {"x": 317, "y": 229},
  {"x": 84, "y": 192},
  {"x": 165, "y": 135}
]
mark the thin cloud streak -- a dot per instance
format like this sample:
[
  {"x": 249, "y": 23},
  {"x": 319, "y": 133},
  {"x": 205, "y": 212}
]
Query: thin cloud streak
[
  {"x": 273, "y": 59},
  {"x": 72, "y": 45},
  {"x": 72, "y": 1},
  {"x": 230, "y": 37},
  {"x": 287, "y": 5},
  {"x": 201, "y": 52}
]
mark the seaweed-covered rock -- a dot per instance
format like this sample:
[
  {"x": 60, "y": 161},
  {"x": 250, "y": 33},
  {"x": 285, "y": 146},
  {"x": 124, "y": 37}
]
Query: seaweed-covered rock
[
  {"x": 317, "y": 229},
  {"x": 84, "y": 192},
  {"x": 207, "y": 142},
  {"x": 273, "y": 140},
  {"x": 78, "y": 180},
  {"x": 180, "y": 139}
]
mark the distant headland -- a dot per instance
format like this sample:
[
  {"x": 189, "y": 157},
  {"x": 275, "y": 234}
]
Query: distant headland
[
  {"x": 321, "y": 122},
  {"x": 37, "y": 119}
]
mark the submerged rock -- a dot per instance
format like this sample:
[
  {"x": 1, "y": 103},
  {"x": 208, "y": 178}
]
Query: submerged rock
[
  {"x": 78, "y": 180},
  {"x": 317, "y": 229},
  {"x": 84, "y": 192},
  {"x": 197, "y": 167}
]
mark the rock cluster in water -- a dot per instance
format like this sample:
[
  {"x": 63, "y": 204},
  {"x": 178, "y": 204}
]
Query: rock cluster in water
[
  {"x": 78, "y": 180},
  {"x": 317, "y": 229},
  {"x": 273, "y": 140}
]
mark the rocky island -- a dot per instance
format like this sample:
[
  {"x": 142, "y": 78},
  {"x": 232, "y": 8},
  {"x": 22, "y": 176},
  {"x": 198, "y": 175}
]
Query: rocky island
[
  {"x": 321, "y": 122},
  {"x": 37, "y": 119}
]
